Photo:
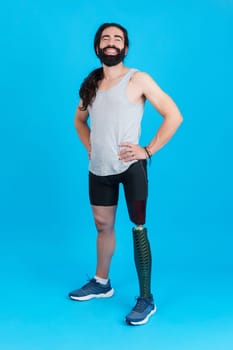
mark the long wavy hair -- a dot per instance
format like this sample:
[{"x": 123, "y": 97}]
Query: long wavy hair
[{"x": 87, "y": 91}]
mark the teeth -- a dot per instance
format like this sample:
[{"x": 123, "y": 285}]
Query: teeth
[{"x": 111, "y": 50}]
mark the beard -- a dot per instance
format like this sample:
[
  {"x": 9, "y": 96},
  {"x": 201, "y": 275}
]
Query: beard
[{"x": 111, "y": 60}]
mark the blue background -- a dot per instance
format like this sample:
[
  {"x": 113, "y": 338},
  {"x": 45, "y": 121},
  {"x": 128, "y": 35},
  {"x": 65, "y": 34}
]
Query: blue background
[{"x": 47, "y": 231}]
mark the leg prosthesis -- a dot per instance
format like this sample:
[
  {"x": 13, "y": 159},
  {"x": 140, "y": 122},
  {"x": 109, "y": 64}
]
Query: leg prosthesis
[{"x": 143, "y": 260}]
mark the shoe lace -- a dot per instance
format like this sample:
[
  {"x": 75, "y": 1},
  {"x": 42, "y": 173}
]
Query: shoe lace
[
  {"x": 90, "y": 283},
  {"x": 140, "y": 305}
]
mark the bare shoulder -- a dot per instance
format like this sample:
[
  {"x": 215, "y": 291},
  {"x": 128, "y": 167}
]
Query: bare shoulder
[
  {"x": 146, "y": 83},
  {"x": 141, "y": 76},
  {"x": 144, "y": 79}
]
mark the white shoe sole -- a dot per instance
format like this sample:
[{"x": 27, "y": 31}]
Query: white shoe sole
[{"x": 109, "y": 294}]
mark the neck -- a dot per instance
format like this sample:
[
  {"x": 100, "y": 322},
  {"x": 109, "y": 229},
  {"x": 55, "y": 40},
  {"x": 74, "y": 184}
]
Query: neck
[{"x": 114, "y": 72}]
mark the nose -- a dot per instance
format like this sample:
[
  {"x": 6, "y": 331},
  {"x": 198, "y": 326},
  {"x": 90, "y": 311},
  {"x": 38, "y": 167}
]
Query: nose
[{"x": 111, "y": 42}]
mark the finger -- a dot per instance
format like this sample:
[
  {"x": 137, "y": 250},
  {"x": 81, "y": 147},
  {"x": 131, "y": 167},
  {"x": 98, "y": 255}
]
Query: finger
[
  {"x": 125, "y": 144},
  {"x": 126, "y": 156},
  {"x": 125, "y": 151}
]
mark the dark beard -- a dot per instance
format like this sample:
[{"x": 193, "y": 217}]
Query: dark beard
[{"x": 111, "y": 60}]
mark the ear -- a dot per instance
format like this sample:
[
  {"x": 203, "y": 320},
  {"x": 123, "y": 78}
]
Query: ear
[{"x": 126, "y": 50}]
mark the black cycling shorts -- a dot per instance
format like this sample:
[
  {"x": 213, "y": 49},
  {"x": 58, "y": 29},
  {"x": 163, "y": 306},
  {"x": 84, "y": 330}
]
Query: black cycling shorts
[{"x": 104, "y": 190}]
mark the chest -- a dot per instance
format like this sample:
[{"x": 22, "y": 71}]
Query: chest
[{"x": 131, "y": 90}]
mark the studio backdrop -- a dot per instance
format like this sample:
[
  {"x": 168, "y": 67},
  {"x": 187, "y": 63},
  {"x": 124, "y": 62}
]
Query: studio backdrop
[{"x": 46, "y": 52}]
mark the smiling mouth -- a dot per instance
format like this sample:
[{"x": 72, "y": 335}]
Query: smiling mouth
[{"x": 110, "y": 51}]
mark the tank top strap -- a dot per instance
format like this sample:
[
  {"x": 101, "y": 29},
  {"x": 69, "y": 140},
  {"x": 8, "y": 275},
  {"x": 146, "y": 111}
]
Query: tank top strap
[{"x": 127, "y": 77}]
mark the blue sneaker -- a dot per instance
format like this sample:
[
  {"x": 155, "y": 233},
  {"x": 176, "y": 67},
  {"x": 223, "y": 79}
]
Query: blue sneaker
[
  {"x": 91, "y": 290},
  {"x": 141, "y": 312}
]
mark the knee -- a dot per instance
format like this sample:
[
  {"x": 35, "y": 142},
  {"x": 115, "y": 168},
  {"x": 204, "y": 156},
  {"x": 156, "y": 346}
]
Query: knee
[{"x": 103, "y": 226}]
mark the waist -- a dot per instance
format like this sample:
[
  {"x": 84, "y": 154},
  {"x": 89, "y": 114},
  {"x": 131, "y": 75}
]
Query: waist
[{"x": 104, "y": 167}]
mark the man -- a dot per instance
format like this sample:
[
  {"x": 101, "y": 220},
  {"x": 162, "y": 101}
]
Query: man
[{"x": 113, "y": 96}]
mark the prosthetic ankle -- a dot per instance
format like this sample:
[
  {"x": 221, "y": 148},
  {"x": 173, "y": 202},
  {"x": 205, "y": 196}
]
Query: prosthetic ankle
[{"x": 143, "y": 261}]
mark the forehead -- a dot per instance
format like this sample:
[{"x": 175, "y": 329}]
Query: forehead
[{"x": 112, "y": 31}]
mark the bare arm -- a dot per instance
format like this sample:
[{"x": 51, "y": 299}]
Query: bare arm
[
  {"x": 168, "y": 110},
  {"x": 82, "y": 127}
]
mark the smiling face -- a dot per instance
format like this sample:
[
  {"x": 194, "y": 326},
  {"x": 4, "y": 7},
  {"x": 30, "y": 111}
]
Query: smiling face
[
  {"x": 112, "y": 37},
  {"x": 111, "y": 49}
]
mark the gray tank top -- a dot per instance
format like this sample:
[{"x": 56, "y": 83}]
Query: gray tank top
[{"x": 113, "y": 119}]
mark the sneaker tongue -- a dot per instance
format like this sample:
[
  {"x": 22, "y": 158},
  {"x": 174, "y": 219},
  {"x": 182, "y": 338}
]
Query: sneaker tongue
[{"x": 141, "y": 303}]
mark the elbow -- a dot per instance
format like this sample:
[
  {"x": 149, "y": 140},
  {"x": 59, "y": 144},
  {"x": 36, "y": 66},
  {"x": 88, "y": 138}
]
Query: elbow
[
  {"x": 180, "y": 119},
  {"x": 175, "y": 119},
  {"x": 76, "y": 122}
]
